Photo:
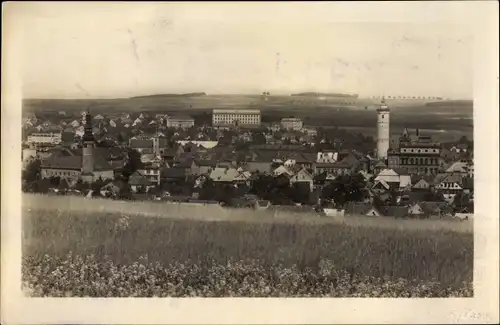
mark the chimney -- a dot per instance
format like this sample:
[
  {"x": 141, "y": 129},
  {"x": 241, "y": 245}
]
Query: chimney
[{"x": 418, "y": 133}]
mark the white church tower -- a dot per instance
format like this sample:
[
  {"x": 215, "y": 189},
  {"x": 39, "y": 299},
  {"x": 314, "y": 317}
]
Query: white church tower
[{"x": 383, "y": 130}]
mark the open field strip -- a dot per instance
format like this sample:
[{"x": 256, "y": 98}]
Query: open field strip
[{"x": 61, "y": 205}]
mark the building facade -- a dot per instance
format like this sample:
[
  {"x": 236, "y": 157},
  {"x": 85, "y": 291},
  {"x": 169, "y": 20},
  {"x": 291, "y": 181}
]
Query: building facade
[
  {"x": 383, "y": 130},
  {"x": 236, "y": 117},
  {"x": 37, "y": 139},
  {"x": 416, "y": 158},
  {"x": 292, "y": 123},
  {"x": 416, "y": 153},
  {"x": 181, "y": 122}
]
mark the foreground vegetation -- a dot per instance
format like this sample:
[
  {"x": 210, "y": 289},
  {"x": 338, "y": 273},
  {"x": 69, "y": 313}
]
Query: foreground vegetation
[
  {"x": 198, "y": 257},
  {"x": 74, "y": 276}
]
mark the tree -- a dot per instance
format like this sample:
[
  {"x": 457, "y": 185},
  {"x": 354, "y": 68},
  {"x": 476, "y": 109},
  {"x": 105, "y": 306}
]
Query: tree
[
  {"x": 82, "y": 186},
  {"x": 258, "y": 138},
  {"x": 434, "y": 196},
  {"x": 125, "y": 192},
  {"x": 460, "y": 201},
  {"x": 97, "y": 186},
  {"x": 345, "y": 189},
  {"x": 133, "y": 163},
  {"x": 32, "y": 171},
  {"x": 300, "y": 192}
]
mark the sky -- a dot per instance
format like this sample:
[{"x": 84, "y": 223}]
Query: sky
[{"x": 129, "y": 49}]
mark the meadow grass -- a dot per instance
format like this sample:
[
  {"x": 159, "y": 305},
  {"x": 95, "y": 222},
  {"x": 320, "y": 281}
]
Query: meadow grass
[{"x": 439, "y": 254}]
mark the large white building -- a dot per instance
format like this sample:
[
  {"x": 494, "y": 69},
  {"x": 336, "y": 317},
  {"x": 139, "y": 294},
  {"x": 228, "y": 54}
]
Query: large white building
[
  {"x": 233, "y": 117},
  {"x": 292, "y": 123},
  {"x": 183, "y": 122},
  {"x": 45, "y": 138},
  {"x": 383, "y": 130}
]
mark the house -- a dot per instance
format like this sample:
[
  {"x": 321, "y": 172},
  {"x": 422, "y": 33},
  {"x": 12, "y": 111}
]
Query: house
[
  {"x": 262, "y": 204},
  {"x": 111, "y": 189},
  {"x": 449, "y": 183},
  {"x": 389, "y": 177},
  {"x": 75, "y": 124},
  {"x": 243, "y": 178},
  {"x": 223, "y": 175},
  {"x": 151, "y": 158},
  {"x": 283, "y": 170},
  {"x": 141, "y": 145},
  {"x": 373, "y": 212},
  {"x": 137, "y": 121},
  {"x": 152, "y": 172},
  {"x": 381, "y": 186},
  {"x": 324, "y": 178},
  {"x": 172, "y": 175},
  {"x": 395, "y": 211},
  {"x": 202, "y": 166},
  {"x": 415, "y": 210},
  {"x": 459, "y": 167},
  {"x": 70, "y": 167},
  {"x": 336, "y": 168},
  {"x": 380, "y": 166},
  {"x": 99, "y": 117},
  {"x": 421, "y": 183},
  {"x": 303, "y": 176},
  {"x": 460, "y": 148},
  {"x": 139, "y": 183},
  {"x": 326, "y": 157},
  {"x": 260, "y": 164},
  {"x": 183, "y": 122}
]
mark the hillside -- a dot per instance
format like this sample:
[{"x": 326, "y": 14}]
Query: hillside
[{"x": 170, "y": 95}]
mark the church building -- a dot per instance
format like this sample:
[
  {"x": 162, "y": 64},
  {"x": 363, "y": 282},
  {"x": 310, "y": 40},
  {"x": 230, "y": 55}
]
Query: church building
[{"x": 88, "y": 166}]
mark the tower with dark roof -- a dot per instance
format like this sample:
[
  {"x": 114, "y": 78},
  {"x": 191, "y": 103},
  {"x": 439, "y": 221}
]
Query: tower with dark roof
[{"x": 88, "y": 147}]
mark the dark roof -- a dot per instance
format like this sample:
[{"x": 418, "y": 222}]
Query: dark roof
[
  {"x": 204, "y": 162},
  {"x": 74, "y": 163},
  {"x": 416, "y": 178},
  {"x": 320, "y": 177},
  {"x": 171, "y": 152},
  {"x": 417, "y": 196},
  {"x": 401, "y": 171},
  {"x": 141, "y": 143},
  {"x": 173, "y": 173},
  {"x": 468, "y": 183},
  {"x": 180, "y": 117},
  {"x": 105, "y": 152},
  {"x": 183, "y": 163},
  {"x": 138, "y": 179},
  {"x": 394, "y": 211},
  {"x": 326, "y": 165}
]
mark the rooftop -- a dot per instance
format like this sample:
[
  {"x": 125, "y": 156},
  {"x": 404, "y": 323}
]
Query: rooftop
[
  {"x": 180, "y": 118},
  {"x": 74, "y": 163},
  {"x": 236, "y": 111}
]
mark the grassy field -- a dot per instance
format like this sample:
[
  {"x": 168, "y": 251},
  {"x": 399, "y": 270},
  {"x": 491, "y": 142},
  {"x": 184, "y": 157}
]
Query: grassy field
[{"x": 438, "y": 256}]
